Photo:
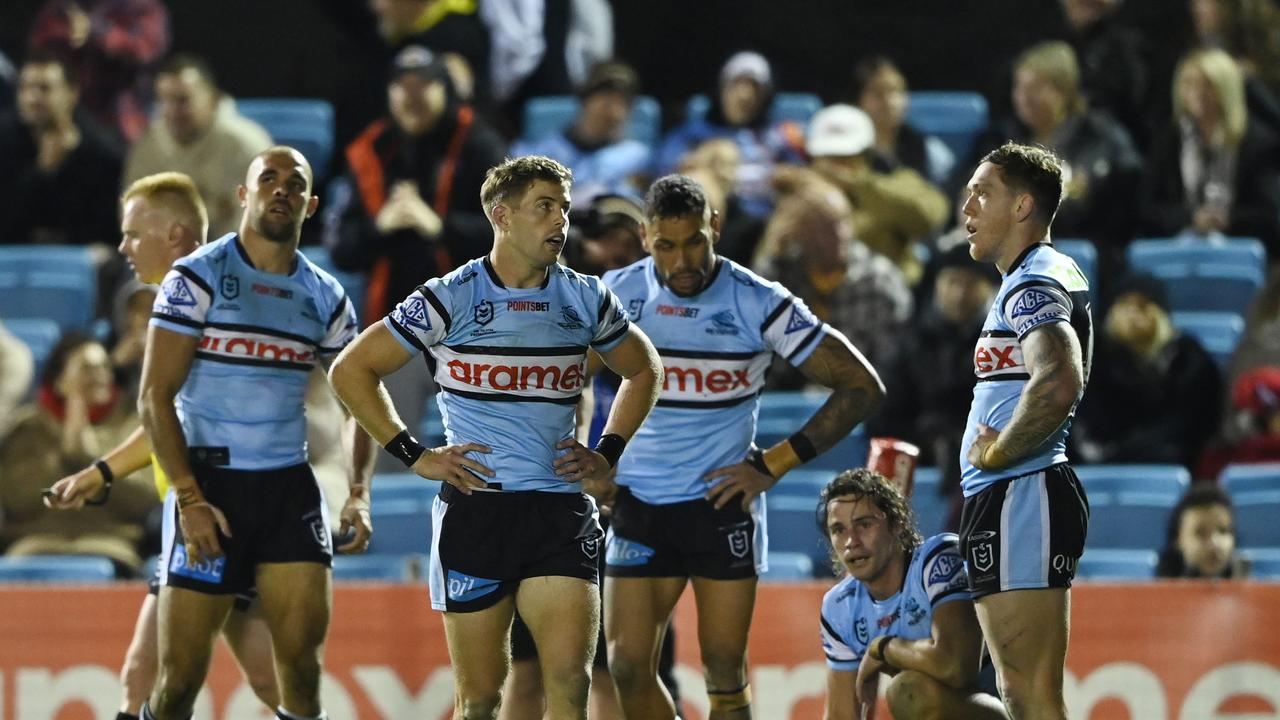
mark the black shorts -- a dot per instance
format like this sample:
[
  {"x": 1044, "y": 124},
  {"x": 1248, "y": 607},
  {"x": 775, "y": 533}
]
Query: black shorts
[
  {"x": 242, "y": 603},
  {"x": 1025, "y": 532},
  {"x": 484, "y": 544},
  {"x": 685, "y": 539},
  {"x": 276, "y": 516}
]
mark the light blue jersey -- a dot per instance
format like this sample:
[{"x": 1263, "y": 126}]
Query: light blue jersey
[
  {"x": 1043, "y": 286},
  {"x": 260, "y": 336},
  {"x": 716, "y": 348},
  {"x": 510, "y": 362},
  {"x": 851, "y": 618}
]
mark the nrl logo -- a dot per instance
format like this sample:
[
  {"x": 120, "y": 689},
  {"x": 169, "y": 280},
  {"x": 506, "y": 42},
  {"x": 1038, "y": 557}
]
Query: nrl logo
[{"x": 484, "y": 312}]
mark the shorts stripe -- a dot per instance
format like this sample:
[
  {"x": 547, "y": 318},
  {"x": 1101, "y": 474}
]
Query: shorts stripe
[
  {"x": 167, "y": 524},
  {"x": 435, "y": 570},
  {"x": 760, "y": 535}
]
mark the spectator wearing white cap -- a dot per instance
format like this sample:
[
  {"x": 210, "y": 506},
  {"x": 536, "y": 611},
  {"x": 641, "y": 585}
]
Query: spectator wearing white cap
[
  {"x": 891, "y": 211},
  {"x": 740, "y": 111}
]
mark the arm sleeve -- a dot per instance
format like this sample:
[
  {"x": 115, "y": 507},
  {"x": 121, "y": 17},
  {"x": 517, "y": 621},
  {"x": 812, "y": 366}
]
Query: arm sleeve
[
  {"x": 944, "y": 575},
  {"x": 422, "y": 319},
  {"x": 790, "y": 329},
  {"x": 183, "y": 301},
  {"x": 840, "y": 653},
  {"x": 342, "y": 328},
  {"x": 1035, "y": 303},
  {"x": 611, "y": 321}
]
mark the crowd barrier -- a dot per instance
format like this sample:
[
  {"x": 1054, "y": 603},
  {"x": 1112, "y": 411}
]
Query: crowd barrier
[{"x": 1156, "y": 651}]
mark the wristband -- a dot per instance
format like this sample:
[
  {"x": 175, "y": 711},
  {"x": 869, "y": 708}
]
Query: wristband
[
  {"x": 877, "y": 648},
  {"x": 108, "y": 478},
  {"x": 611, "y": 445},
  {"x": 803, "y": 446},
  {"x": 755, "y": 458},
  {"x": 404, "y": 448},
  {"x": 781, "y": 458}
]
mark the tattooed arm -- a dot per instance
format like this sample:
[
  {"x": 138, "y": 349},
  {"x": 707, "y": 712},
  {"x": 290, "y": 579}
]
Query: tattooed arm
[
  {"x": 856, "y": 391},
  {"x": 1054, "y": 360}
]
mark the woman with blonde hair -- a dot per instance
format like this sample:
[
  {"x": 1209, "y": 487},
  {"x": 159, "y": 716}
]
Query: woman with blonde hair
[{"x": 1213, "y": 170}]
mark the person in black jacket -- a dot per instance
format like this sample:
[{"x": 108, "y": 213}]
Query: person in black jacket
[
  {"x": 1155, "y": 395},
  {"x": 415, "y": 209},
  {"x": 1214, "y": 169}
]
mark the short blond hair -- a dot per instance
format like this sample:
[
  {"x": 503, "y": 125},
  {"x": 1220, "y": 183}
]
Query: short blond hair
[
  {"x": 175, "y": 188},
  {"x": 511, "y": 179},
  {"x": 1056, "y": 62},
  {"x": 1227, "y": 80}
]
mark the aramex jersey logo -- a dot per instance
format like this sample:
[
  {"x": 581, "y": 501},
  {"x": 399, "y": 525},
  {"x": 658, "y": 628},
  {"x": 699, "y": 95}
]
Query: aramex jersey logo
[
  {"x": 997, "y": 355},
  {"x": 563, "y": 378},
  {"x": 694, "y": 380}
]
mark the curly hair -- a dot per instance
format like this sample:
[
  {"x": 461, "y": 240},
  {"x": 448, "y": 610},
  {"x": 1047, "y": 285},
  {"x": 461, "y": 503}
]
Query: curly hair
[
  {"x": 674, "y": 196},
  {"x": 863, "y": 483}
]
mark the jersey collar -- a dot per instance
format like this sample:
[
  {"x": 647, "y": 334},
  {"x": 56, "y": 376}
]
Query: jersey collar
[
  {"x": 1022, "y": 256},
  {"x": 493, "y": 275}
]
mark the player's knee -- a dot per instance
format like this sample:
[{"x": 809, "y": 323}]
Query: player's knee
[
  {"x": 724, "y": 669},
  {"x": 477, "y": 705},
  {"x": 174, "y": 695},
  {"x": 630, "y": 673},
  {"x": 572, "y": 685},
  {"x": 137, "y": 677},
  {"x": 1024, "y": 694},
  {"x": 914, "y": 695},
  {"x": 263, "y": 683}
]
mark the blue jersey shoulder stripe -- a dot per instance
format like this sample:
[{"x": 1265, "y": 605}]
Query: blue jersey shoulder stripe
[
  {"x": 255, "y": 362},
  {"x": 999, "y": 333},
  {"x": 517, "y": 350},
  {"x": 439, "y": 306},
  {"x": 338, "y": 311},
  {"x": 612, "y": 336},
  {"x": 262, "y": 331},
  {"x": 782, "y": 307},
  {"x": 958, "y": 591},
  {"x": 193, "y": 277},
  {"x": 408, "y": 336},
  {"x": 832, "y": 631},
  {"x": 177, "y": 320},
  {"x": 804, "y": 344},
  {"x": 1037, "y": 282}
]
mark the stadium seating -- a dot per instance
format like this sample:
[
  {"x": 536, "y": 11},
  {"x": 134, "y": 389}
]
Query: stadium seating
[
  {"x": 1086, "y": 257},
  {"x": 401, "y": 525},
  {"x": 385, "y": 568},
  {"x": 783, "y": 413},
  {"x": 404, "y": 486},
  {"x": 929, "y": 507},
  {"x": 793, "y": 528},
  {"x": 1129, "y": 504},
  {"x": 303, "y": 123},
  {"x": 550, "y": 114},
  {"x": 56, "y": 568},
  {"x": 39, "y": 334},
  {"x": 1218, "y": 332},
  {"x": 1219, "y": 275},
  {"x": 788, "y": 567},
  {"x": 1264, "y": 562},
  {"x": 55, "y": 282},
  {"x": 1255, "y": 493},
  {"x": 1118, "y": 565},
  {"x": 796, "y": 107},
  {"x": 956, "y": 118}
]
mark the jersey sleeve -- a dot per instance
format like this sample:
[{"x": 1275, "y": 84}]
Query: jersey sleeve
[
  {"x": 790, "y": 329},
  {"x": 838, "y": 649},
  {"x": 943, "y": 571},
  {"x": 1036, "y": 303},
  {"x": 611, "y": 321},
  {"x": 183, "y": 301},
  {"x": 422, "y": 319},
  {"x": 342, "y": 328}
]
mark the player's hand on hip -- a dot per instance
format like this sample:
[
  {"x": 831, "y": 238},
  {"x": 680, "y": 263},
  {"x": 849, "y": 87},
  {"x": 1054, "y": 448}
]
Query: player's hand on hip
[
  {"x": 738, "y": 479},
  {"x": 580, "y": 463},
  {"x": 201, "y": 523},
  {"x": 450, "y": 464},
  {"x": 355, "y": 517},
  {"x": 71, "y": 492},
  {"x": 980, "y": 456}
]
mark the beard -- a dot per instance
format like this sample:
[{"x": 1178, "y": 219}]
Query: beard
[{"x": 277, "y": 229}]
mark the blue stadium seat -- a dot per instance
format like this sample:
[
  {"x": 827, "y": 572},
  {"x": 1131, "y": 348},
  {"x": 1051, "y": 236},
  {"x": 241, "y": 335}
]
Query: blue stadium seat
[
  {"x": 793, "y": 528},
  {"x": 404, "y": 486},
  {"x": 1129, "y": 504},
  {"x": 1264, "y": 562},
  {"x": 1255, "y": 493},
  {"x": 56, "y": 568},
  {"x": 550, "y": 114},
  {"x": 1086, "y": 257},
  {"x": 353, "y": 282},
  {"x": 303, "y": 123},
  {"x": 387, "y": 568},
  {"x": 1218, "y": 332},
  {"x": 797, "y": 107},
  {"x": 803, "y": 482},
  {"x": 956, "y": 118},
  {"x": 929, "y": 507},
  {"x": 1203, "y": 275},
  {"x": 783, "y": 413},
  {"x": 788, "y": 567},
  {"x": 1117, "y": 565},
  {"x": 55, "y": 282},
  {"x": 400, "y": 526},
  {"x": 39, "y": 334}
]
